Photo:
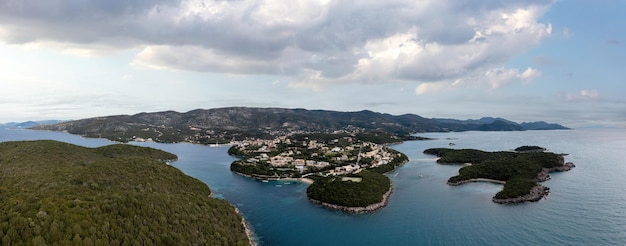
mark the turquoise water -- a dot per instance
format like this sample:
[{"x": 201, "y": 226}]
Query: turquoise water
[{"x": 586, "y": 206}]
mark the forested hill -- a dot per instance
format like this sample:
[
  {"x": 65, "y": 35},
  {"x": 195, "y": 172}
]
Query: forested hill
[
  {"x": 54, "y": 193},
  {"x": 224, "y": 124}
]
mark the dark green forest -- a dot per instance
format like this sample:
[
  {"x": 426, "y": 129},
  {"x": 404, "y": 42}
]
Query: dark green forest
[
  {"x": 54, "y": 193},
  {"x": 527, "y": 148},
  {"x": 518, "y": 170},
  {"x": 348, "y": 193}
]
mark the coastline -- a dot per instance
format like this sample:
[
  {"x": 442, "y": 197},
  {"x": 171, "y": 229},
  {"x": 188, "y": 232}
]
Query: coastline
[
  {"x": 477, "y": 180},
  {"x": 535, "y": 194},
  {"x": 358, "y": 210},
  {"x": 545, "y": 172},
  {"x": 249, "y": 232},
  {"x": 303, "y": 180},
  {"x": 353, "y": 210}
]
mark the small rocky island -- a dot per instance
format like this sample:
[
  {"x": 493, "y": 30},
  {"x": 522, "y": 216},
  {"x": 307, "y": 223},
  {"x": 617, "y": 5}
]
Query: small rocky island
[
  {"x": 521, "y": 170},
  {"x": 345, "y": 172}
]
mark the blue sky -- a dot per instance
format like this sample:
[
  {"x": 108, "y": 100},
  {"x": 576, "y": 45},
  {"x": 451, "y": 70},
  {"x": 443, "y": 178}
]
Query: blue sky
[{"x": 528, "y": 60}]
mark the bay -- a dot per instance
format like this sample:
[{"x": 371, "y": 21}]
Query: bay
[{"x": 586, "y": 205}]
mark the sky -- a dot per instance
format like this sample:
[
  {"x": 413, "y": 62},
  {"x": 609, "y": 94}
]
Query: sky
[{"x": 526, "y": 60}]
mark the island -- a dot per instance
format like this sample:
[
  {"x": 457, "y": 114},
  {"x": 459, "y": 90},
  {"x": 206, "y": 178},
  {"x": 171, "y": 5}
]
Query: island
[
  {"x": 54, "y": 193},
  {"x": 345, "y": 172},
  {"x": 520, "y": 171}
]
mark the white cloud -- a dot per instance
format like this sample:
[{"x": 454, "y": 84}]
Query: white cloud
[
  {"x": 500, "y": 77},
  {"x": 425, "y": 88},
  {"x": 196, "y": 58},
  {"x": 585, "y": 95},
  {"x": 566, "y": 33},
  {"x": 312, "y": 43}
]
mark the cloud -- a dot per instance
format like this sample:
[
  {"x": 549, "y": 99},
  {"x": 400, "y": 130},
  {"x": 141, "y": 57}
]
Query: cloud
[
  {"x": 500, "y": 77},
  {"x": 425, "y": 88},
  {"x": 566, "y": 33},
  {"x": 585, "y": 95},
  {"x": 494, "y": 78},
  {"x": 312, "y": 43}
]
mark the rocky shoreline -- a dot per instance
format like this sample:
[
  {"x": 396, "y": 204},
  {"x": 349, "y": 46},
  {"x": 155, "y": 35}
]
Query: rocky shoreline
[
  {"x": 249, "y": 232},
  {"x": 358, "y": 210},
  {"x": 536, "y": 193},
  {"x": 545, "y": 172}
]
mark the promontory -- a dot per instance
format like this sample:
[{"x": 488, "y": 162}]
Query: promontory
[
  {"x": 54, "y": 193},
  {"x": 520, "y": 171},
  {"x": 347, "y": 172}
]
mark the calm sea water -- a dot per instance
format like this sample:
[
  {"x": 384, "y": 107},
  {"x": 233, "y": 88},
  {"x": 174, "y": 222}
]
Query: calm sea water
[{"x": 586, "y": 206}]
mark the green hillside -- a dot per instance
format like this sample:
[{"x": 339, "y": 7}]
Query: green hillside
[
  {"x": 222, "y": 125},
  {"x": 54, "y": 193},
  {"x": 338, "y": 191}
]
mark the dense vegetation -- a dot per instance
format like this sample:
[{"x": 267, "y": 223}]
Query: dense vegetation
[
  {"x": 518, "y": 170},
  {"x": 526, "y": 148},
  {"x": 516, "y": 187},
  {"x": 263, "y": 170},
  {"x": 54, "y": 193},
  {"x": 348, "y": 193}
]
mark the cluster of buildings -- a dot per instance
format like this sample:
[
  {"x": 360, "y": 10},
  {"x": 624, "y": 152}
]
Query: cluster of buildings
[{"x": 336, "y": 157}]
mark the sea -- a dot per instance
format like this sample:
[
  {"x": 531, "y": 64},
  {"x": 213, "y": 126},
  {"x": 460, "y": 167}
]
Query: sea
[{"x": 586, "y": 206}]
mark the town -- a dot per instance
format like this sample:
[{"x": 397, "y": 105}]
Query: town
[{"x": 302, "y": 155}]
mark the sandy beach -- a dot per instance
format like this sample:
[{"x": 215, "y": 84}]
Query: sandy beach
[{"x": 303, "y": 180}]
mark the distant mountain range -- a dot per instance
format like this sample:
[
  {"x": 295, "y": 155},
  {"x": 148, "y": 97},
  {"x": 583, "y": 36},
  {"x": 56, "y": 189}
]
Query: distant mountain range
[
  {"x": 225, "y": 124},
  {"x": 28, "y": 124},
  {"x": 490, "y": 122}
]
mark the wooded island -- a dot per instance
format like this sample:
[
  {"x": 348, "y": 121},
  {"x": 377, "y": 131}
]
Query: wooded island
[{"x": 520, "y": 171}]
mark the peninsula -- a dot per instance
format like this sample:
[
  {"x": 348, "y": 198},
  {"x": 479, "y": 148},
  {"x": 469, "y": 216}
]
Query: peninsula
[
  {"x": 54, "y": 193},
  {"x": 520, "y": 171},
  {"x": 346, "y": 172}
]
